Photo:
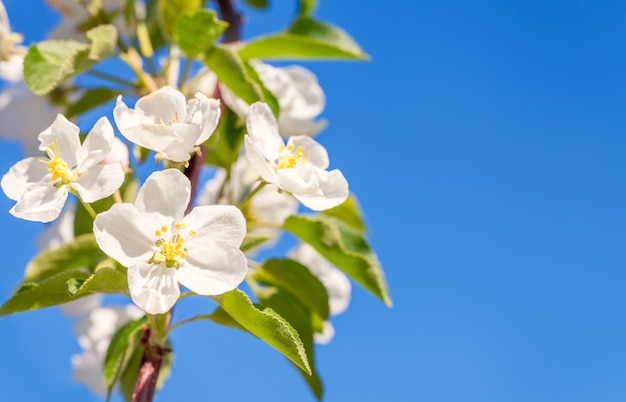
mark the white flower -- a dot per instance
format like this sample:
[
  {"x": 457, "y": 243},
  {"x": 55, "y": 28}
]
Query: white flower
[
  {"x": 119, "y": 154},
  {"x": 162, "y": 248},
  {"x": 267, "y": 206},
  {"x": 299, "y": 167},
  {"x": 166, "y": 123},
  {"x": 56, "y": 234},
  {"x": 7, "y": 38},
  {"x": 40, "y": 186},
  {"x": 336, "y": 283},
  {"x": 94, "y": 333}
]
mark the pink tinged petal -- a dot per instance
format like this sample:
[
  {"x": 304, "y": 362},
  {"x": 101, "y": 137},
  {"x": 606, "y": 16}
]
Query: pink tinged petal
[
  {"x": 153, "y": 287},
  {"x": 263, "y": 131},
  {"x": 166, "y": 104},
  {"x": 41, "y": 202},
  {"x": 22, "y": 175},
  {"x": 66, "y": 133},
  {"x": 213, "y": 269},
  {"x": 315, "y": 153},
  {"x": 166, "y": 193},
  {"x": 125, "y": 234},
  {"x": 96, "y": 146},
  {"x": 99, "y": 182},
  {"x": 215, "y": 223},
  {"x": 205, "y": 113},
  {"x": 258, "y": 161},
  {"x": 334, "y": 191}
]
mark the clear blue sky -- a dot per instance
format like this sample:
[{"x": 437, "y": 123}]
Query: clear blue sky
[{"x": 486, "y": 142}]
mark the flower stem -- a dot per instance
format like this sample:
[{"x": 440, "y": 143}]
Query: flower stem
[
  {"x": 89, "y": 208},
  {"x": 111, "y": 78},
  {"x": 153, "y": 340},
  {"x": 246, "y": 200}
]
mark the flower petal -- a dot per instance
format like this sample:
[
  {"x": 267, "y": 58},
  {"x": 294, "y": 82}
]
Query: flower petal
[
  {"x": 334, "y": 191},
  {"x": 96, "y": 146},
  {"x": 205, "y": 113},
  {"x": 263, "y": 131},
  {"x": 290, "y": 126},
  {"x": 41, "y": 202},
  {"x": 166, "y": 104},
  {"x": 166, "y": 193},
  {"x": 310, "y": 101},
  {"x": 316, "y": 153},
  {"x": 22, "y": 175},
  {"x": 125, "y": 234},
  {"x": 215, "y": 223},
  {"x": 216, "y": 268},
  {"x": 153, "y": 287},
  {"x": 258, "y": 161},
  {"x": 66, "y": 133},
  {"x": 99, "y": 182}
]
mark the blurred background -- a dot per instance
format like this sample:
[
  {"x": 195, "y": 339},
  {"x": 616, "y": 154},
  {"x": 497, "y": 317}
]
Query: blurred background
[{"x": 486, "y": 144}]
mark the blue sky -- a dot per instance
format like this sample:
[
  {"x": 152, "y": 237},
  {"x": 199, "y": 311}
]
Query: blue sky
[{"x": 485, "y": 141}]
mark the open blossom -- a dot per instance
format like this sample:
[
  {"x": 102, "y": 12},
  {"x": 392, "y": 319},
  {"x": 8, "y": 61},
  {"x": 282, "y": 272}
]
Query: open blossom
[
  {"x": 7, "y": 38},
  {"x": 298, "y": 167},
  {"x": 165, "y": 122},
  {"x": 267, "y": 206},
  {"x": 299, "y": 95},
  {"x": 336, "y": 283},
  {"x": 161, "y": 247},
  {"x": 41, "y": 185},
  {"x": 94, "y": 333}
]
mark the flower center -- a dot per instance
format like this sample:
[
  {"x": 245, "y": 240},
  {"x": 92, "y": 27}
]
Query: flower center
[
  {"x": 162, "y": 122},
  {"x": 170, "y": 250},
  {"x": 289, "y": 157},
  {"x": 59, "y": 171}
]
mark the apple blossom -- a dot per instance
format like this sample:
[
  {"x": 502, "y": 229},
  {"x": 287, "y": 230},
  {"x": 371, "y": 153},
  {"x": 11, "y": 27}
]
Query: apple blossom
[
  {"x": 162, "y": 248},
  {"x": 7, "y": 38},
  {"x": 40, "y": 186},
  {"x": 94, "y": 332},
  {"x": 165, "y": 122},
  {"x": 299, "y": 167},
  {"x": 336, "y": 283}
]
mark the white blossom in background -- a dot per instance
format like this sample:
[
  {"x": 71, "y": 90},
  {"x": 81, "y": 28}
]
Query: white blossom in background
[
  {"x": 74, "y": 15},
  {"x": 267, "y": 206},
  {"x": 335, "y": 281},
  {"x": 8, "y": 39},
  {"x": 165, "y": 122},
  {"x": 41, "y": 185},
  {"x": 161, "y": 247},
  {"x": 119, "y": 154},
  {"x": 299, "y": 95},
  {"x": 298, "y": 167},
  {"x": 94, "y": 332},
  {"x": 56, "y": 234}
]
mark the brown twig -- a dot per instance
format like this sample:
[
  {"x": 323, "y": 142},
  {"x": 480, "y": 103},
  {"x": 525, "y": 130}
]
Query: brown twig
[{"x": 234, "y": 19}]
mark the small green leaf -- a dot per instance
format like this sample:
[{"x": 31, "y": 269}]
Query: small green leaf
[
  {"x": 103, "y": 40},
  {"x": 36, "y": 295},
  {"x": 170, "y": 10},
  {"x": 296, "y": 279},
  {"x": 196, "y": 33},
  {"x": 224, "y": 144},
  {"x": 343, "y": 247},
  {"x": 90, "y": 99},
  {"x": 121, "y": 349},
  {"x": 268, "y": 97},
  {"x": 305, "y": 39},
  {"x": 49, "y": 62},
  {"x": 128, "y": 377},
  {"x": 307, "y": 7},
  {"x": 253, "y": 240},
  {"x": 349, "y": 213},
  {"x": 266, "y": 324},
  {"x": 104, "y": 280},
  {"x": 82, "y": 252},
  {"x": 231, "y": 71},
  {"x": 297, "y": 314},
  {"x": 261, "y": 4}
]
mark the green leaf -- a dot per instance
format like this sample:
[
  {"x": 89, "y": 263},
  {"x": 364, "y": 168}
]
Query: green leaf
[
  {"x": 266, "y": 324},
  {"x": 103, "y": 40},
  {"x": 297, "y": 314},
  {"x": 121, "y": 349},
  {"x": 296, "y": 279},
  {"x": 231, "y": 71},
  {"x": 307, "y": 7},
  {"x": 224, "y": 144},
  {"x": 253, "y": 240},
  {"x": 170, "y": 10},
  {"x": 128, "y": 377},
  {"x": 36, "y": 295},
  {"x": 196, "y": 33},
  {"x": 48, "y": 63},
  {"x": 82, "y": 252},
  {"x": 268, "y": 97},
  {"x": 261, "y": 4},
  {"x": 343, "y": 247},
  {"x": 104, "y": 280},
  {"x": 349, "y": 213},
  {"x": 90, "y": 99},
  {"x": 305, "y": 39}
]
